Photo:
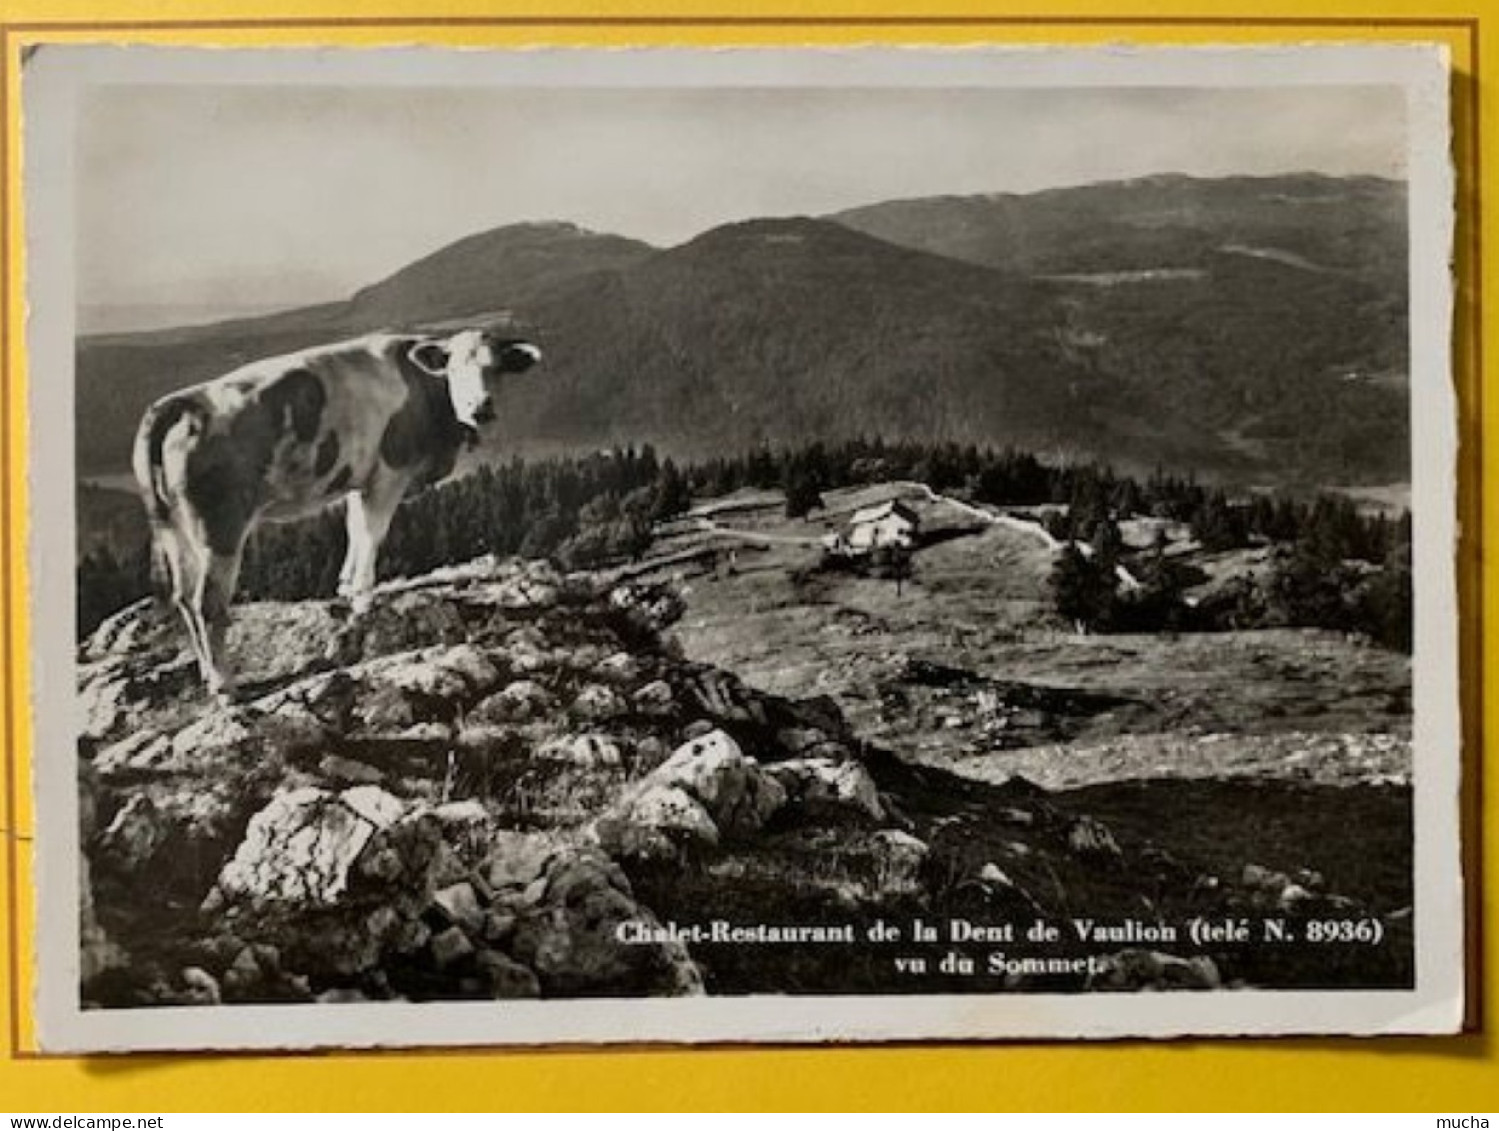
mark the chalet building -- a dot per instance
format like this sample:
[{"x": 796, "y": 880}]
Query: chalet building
[{"x": 890, "y": 523}]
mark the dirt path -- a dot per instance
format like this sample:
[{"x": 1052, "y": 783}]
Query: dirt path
[{"x": 759, "y": 537}]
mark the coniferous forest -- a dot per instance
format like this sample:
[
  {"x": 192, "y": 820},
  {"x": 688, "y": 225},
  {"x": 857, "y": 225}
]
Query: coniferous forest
[{"x": 1334, "y": 565}]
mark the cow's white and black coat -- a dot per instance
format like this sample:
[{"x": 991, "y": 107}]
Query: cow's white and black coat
[{"x": 370, "y": 420}]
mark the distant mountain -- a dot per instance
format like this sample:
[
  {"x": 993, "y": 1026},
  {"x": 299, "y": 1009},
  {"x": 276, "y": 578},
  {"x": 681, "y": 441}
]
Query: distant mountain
[
  {"x": 499, "y": 270},
  {"x": 1352, "y": 225},
  {"x": 493, "y": 269},
  {"x": 1252, "y": 330},
  {"x": 786, "y": 331}
]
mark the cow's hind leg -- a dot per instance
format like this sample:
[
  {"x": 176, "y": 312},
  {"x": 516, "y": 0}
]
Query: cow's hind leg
[
  {"x": 179, "y": 571},
  {"x": 211, "y": 603},
  {"x": 212, "y": 549}
]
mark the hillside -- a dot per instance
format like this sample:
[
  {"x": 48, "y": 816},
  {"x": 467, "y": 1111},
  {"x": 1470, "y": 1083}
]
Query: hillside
[
  {"x": 1251, "y": 330},
  {"x": 471, "y": 793},
  {"x": 787, "y": 331},
  {"x": 488, "y": 273},
  {"x": 1354, "y": 225},
  {"x": 491, "y": 271}
]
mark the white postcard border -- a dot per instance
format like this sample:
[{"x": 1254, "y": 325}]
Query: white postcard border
[{"x": 52, "y": 83}]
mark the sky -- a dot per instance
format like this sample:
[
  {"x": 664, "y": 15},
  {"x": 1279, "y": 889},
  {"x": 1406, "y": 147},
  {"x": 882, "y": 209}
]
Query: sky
[{"x": 239, "y": 197}]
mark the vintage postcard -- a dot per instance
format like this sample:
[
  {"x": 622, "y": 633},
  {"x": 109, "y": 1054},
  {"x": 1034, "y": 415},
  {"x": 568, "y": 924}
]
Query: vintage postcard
[{"x": 745, "y": 545}]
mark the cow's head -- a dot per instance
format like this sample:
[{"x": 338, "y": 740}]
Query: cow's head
[{"x": 471, "y": 362}]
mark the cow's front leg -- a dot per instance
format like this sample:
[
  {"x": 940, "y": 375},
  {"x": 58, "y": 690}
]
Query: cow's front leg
[
  {"x": 370, "y": 511},
  {"x": 354, "y": 523}
]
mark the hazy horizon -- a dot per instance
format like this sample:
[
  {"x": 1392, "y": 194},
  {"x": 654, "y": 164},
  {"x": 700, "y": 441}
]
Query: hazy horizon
[{"x": 232, "y": 200}]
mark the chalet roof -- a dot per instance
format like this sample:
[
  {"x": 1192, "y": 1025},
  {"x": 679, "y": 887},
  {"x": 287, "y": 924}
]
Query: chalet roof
[{"x": 879, "y": 511}]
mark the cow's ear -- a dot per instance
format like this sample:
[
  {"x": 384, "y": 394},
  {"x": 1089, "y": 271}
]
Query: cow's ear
[{"x": 430, "y": 357}]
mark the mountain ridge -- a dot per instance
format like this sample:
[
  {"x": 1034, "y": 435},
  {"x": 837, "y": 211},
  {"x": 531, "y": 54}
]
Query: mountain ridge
[{"x": 1220, "y": 326}]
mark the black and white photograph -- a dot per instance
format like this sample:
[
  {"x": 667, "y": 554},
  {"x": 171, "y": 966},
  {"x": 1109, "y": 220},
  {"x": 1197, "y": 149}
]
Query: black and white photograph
[{"x": 583, "y": 546}]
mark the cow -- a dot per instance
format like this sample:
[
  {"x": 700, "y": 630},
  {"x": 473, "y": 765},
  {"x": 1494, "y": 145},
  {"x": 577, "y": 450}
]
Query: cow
[{"x": 368, "y": 421}]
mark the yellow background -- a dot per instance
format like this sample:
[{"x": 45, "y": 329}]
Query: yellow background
[{"x": 1444, "y": 1075}]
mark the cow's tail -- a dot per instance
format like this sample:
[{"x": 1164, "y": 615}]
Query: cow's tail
[{"x": 150, "y": 474}]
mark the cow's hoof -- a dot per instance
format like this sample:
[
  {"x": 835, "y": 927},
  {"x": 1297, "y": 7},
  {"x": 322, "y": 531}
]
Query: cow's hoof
[
  {"x": 346, "y": 644},
  {"x": 223, "y": 694}
]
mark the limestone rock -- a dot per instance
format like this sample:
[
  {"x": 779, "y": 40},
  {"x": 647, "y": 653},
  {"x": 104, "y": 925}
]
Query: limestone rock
[
  {"x": 518, "y": 701},
  {"x": 707, "y": 789},
  {"x": 619, "y": 668},
  {"x": 899, "y": 859},
  {"x": 657, "y": 822},
  {"x": 571, "y": 941},
  {"x": 516, "y": 859},
  {"x": 506, "y": 978},
  {"x": 1093, "y": 840},
  {"x": 590, "y": 751},
  {"x": 459, "y": 904},
  {"x": 738, "y": 795},
  {"x": 823, "y": 787},
  {"x": 598, "y": 701},
  {"x": 655, "y": 698},
  {"x": 97, "y": 952},
  {"x": 141, "y": 627},
  {"x": 134, "y": 836},
  {"x": 301, "y": 847},
  {"x": 199, "y": 987},
  {"x": 449, "y": 946}
]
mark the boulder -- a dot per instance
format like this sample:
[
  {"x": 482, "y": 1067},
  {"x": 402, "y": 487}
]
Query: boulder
[
  {"x": 404, "y": 622},
  {"x": 97, "y": 952},
  {"x": 451, "y": 675},
  {"x": 134, "y": 836},
  {"x": 301, "y": 847},
  {"x": 656, "y": 822},
  {"x": 144, "y": 626},
  {"x": 823, "y": 787},
  {"x": 104, "y": 696},
  {"x": 459, "y": 905},
  {"x": 450, "y": 946},
  {"x": 527, "y": 651},
  {"x": 219, "y": 743},
  {"x": 598, "y": 701},
  {"x": 349, "y": 771},
  {"x": 655, "y": 698},
  {"x": 506, "y": 978},
  {"x": 707, "y": 789},
  {"x": 898, "y": 860},
  {"x": 525, "y": 585},
  {"x": 651, "y": 607},
  {"x": 619, "y": 668},
  {"x": 590, "y": 751},
  {"x": 517, "y": 859},
  {"x": 199, "y": 987},
  {"x": 570, "y": 938},
  {"x": 1093, "y": 840},
  {"x": 1262, "y": 879},
  {"x": 517, "y": 702},
  {"x": 737, "y": 794}
]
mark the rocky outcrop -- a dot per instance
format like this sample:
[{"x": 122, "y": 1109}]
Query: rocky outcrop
[
  {"x": 505, "y": 783},
  {"x": 434, "y": 802}
]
